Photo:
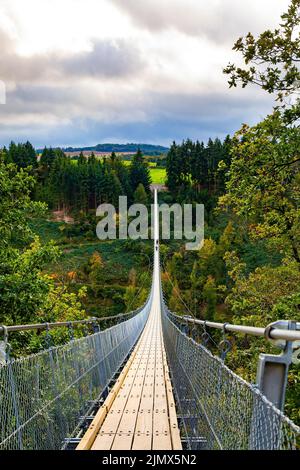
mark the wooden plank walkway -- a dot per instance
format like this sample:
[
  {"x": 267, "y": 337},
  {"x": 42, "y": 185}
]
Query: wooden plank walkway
[{"x": 139, "y": 412}]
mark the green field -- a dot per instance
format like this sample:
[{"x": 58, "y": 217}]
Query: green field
[
  {"x": 128, "y": 163},
  {"x": 158, "y": 175}
]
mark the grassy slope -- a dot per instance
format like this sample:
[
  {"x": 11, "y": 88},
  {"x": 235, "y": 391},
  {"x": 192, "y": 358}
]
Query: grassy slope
[{"x": 104, "y": 297}]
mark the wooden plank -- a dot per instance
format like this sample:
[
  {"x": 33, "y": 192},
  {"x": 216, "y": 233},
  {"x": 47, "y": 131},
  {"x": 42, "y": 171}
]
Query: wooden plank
[
  {"x": 126, "y": 429},
  {"x": 143, "y": 435},
  {"x": 140, "y": 413},
  {"x": 109, "y": 434},
  {"x": 91, "y": 433},
  {"x": 175, "y": 434}
]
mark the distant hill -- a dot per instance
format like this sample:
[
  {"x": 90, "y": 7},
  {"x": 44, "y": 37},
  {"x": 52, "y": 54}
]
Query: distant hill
[{"x": 147, "y": 149}]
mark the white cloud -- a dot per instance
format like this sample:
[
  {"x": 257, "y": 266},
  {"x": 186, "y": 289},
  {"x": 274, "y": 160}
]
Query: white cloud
[
  {"x": 217, "y": 20},
  {"x": 113, "y": 62}
]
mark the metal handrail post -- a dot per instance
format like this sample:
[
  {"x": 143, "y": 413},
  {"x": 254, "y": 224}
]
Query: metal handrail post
[{"x": 272, "y": 370}]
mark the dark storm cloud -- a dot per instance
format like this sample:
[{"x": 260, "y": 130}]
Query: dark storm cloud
[
  {"x": 168, "y": 116},
  {"x": 91, "y": 131},
  {"x": 65, "y": 100},
  {"x": 38, "y": 99},
  {"x": 204, "y": 105},
  {"x": 107, "y": 59}
]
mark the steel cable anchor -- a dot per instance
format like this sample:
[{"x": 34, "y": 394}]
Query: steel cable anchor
[
  {"x": 4, "y": 346},
  {"x": 224, "y": 345},
  {"x": 205, "y": 335}
]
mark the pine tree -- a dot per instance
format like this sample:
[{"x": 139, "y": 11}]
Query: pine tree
[
  {"x": 140, "y": 195},
  {"x": 23, "y": 155},
  {"x": 81, "y": 159},
  {"x": 139, "y": 172}
]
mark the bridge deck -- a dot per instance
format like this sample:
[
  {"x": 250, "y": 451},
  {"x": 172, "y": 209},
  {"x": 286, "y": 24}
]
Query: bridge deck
[{"x": 139, "y": 412}]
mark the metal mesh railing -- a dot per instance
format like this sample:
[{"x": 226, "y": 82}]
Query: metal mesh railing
[
  {"x": 43, "y": 396},
  {"x": 216, "y": 408}
]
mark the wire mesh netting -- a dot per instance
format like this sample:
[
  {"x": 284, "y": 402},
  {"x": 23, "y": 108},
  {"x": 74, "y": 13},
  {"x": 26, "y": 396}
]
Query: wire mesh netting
[
  {"x": 216, "y": 408},
  {"x": 43, "y": 396}
]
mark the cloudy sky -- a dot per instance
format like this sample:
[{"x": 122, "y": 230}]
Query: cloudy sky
[{"x": 81, "y": 72}]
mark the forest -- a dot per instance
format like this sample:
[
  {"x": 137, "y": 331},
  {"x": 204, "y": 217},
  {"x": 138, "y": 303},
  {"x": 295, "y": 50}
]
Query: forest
[{"x": 248, "y": 272}]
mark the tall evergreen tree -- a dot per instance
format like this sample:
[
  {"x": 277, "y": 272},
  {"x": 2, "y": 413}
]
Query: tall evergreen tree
[
  {"x": 139, "y": 172},
  {"x": 140, "y": 195},
  {"x": 23, "y": 155}
]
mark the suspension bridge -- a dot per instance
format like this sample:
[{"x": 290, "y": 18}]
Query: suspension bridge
[{"x": 147, "y": 382}]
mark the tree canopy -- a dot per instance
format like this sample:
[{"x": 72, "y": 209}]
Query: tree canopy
[{"x": 272, "y": 61}]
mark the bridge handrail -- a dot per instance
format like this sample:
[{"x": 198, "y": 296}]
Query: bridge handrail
[
  {"x": 269, "y": 332},
  {"x": 48, "y": 393},
  {"x": 214, "y": 401},
  {"x": 51, "y": 325}
]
